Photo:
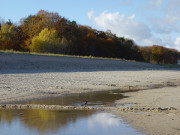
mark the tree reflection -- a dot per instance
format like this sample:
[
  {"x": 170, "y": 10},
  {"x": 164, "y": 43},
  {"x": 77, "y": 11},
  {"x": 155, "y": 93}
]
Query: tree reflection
[{"x": 43, "y": 120}]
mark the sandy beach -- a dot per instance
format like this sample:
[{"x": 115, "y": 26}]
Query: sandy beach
[{"x": 26, "y": 77}]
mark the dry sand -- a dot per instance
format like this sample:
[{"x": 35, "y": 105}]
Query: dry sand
[
  {"x": 26, "y": 77},
  {"x": 154, "y": 122}
]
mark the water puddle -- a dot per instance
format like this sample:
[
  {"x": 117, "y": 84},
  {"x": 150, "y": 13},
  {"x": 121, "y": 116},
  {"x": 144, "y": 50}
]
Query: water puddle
[
  {"x": 101, "y": 98},
  {"x": 46, "y": 122}
]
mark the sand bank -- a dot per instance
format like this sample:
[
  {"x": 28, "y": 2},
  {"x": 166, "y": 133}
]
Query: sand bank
[{"x": 154, "y": 122}]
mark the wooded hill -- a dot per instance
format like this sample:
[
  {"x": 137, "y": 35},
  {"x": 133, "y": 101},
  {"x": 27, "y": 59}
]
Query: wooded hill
[{"x": 48, "y": 32}]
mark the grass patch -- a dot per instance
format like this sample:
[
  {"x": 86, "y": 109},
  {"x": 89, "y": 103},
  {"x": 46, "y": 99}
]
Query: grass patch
[
  {"x": 64, "y": 55},
  {"x": 170, "y": 65}
]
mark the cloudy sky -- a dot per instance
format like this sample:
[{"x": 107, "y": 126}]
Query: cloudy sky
[{"x": 147, "y": 22}]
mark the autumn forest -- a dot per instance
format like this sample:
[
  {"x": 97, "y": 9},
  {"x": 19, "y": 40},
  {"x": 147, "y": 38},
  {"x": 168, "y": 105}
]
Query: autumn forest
[{"x": 48, "y": 32}]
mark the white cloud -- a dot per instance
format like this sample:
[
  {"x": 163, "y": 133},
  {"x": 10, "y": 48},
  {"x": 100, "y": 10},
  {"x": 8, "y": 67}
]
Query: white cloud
[
  {"x": 167, "y": 24},
  {"x": 167, "y": 19},
  {"x": 158, "y": 3},
  {"x": 173, "y": 5},
  {"x": 159, "y": 24},
  {"x": 125, "y": 26},
  {"x": 177, "y": 43},
  {"x": 154, "y": 3},
  {"x": 90, "y": 14}
]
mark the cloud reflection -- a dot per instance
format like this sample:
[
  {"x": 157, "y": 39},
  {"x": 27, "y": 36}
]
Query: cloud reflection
[{"x": 103, "y": 119}]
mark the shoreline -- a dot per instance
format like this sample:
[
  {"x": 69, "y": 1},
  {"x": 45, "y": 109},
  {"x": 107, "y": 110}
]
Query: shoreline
[{"x": 105, "y": 108}]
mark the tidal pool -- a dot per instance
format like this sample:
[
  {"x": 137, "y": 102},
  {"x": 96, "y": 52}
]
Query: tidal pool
[
  {"x": 46, "y": 122},
  {"x": 100, "y": 98}
]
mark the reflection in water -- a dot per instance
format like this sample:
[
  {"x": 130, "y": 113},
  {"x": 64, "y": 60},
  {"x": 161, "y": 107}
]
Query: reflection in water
[
  {"x": 99, "y": 119},
  {"x": 61, "y": 123},
  {"x": 101, "y": 98},
  {"x": 42, "y": 121},
  {"x": 66, "y": 122}
]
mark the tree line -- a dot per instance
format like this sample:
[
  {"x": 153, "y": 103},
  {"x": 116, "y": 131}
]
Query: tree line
[{"x": 48, "y": 32}]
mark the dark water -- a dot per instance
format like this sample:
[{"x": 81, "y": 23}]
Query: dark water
[
  {"x": 48, "y": 122},
  {"x": 101, "y": 98},
  {"x": 44, "y": 122}
]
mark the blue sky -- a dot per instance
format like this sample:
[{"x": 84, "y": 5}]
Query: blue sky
[
  {"x": 147, "y": 22},
  {"x": 71, "y": 9}
]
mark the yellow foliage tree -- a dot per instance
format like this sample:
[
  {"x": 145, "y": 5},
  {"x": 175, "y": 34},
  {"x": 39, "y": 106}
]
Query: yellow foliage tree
[
  {"x": 46, "y": 42},
  {"x": 7, "y": 37}
]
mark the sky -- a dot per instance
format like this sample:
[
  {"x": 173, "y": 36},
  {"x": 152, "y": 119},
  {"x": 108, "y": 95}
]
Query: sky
[{"x": 147, "y": 22}]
